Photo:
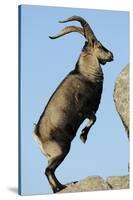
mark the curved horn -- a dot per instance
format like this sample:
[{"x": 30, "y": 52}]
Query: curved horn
[
  {"x": 68, "y": 29},
  {"x": 88, "y": 33}
]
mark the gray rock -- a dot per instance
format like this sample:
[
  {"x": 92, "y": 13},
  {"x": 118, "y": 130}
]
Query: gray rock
[
  {"x": 96, "y": 183},
  {"x": 91, "y": 183},
  {"x": 121, "y": 97},
  {"x": 118, "y": 182}
]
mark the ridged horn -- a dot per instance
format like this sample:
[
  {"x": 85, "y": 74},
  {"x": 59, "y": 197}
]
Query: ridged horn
[
  {"x": 68, "y": 29},
  {"x": 88, "y": 33}
]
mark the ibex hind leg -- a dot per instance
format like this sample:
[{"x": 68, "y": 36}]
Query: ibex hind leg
[
  {"x": 50, "y": 173},
  {"x": 57, "y": 155}
]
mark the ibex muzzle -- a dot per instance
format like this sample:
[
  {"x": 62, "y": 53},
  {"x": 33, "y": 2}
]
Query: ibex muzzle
[{"x": 75, "y": 99}]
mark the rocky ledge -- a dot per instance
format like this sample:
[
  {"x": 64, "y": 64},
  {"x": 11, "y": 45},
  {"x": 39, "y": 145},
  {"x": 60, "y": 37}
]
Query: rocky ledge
[{"x": 95, "y": 183}]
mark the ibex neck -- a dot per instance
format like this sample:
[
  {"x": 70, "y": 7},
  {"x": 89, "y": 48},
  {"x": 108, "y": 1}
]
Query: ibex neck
[{"x": 90, "y": 68}]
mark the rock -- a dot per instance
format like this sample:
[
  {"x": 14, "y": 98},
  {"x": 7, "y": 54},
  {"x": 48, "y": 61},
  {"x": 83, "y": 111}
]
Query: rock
[
  {"x": 121, "y": 97},
  {"x": 91, "y": 183},
  {"x": 118, "y": 182},
  {"x": 96, "y": 183}
]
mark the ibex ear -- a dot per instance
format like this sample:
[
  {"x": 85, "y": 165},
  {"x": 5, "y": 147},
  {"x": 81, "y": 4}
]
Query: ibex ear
[{"x": 91, "y": 42}]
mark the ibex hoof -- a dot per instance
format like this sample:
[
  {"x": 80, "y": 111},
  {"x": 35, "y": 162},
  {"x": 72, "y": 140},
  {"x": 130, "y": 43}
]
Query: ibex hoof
[
  {"x": 84, "y": 134},
  {"x": 58, "y": 189},
  {"x": 83, "y": 138}
]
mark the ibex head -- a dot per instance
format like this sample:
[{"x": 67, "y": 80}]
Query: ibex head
[{"x": 92, "y": 45}]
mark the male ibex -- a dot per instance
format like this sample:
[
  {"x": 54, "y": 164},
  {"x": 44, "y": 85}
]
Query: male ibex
[{"x": 75, "y": 99}]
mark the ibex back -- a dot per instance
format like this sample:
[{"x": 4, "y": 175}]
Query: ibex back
[{"x": 75, "y": 99}]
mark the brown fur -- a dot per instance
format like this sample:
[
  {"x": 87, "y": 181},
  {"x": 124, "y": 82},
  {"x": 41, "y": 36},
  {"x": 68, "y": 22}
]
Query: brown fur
[{"x": 76, "y": 98}]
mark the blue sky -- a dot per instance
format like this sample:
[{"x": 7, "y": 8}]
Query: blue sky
[{"x": 44, "y": 63}]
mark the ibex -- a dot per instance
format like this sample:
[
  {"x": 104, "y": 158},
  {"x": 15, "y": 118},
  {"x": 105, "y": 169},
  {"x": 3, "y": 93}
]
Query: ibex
[{"x": 75, "y": 99}]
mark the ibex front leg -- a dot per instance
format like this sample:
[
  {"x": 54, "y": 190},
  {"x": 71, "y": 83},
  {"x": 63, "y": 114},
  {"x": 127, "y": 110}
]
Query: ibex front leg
[{"x": 84, "y": 133}]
